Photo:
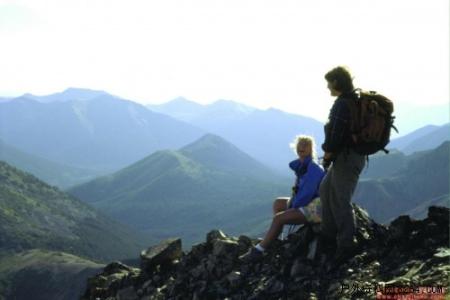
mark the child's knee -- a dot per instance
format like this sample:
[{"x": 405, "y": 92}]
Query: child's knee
[{"x": 278, "y": 219}]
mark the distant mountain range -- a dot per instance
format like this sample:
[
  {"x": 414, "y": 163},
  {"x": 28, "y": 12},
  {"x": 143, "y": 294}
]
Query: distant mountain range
[
  {"x": 221, "y": 111},
  {"x": 382, "y": 165},
  {"x": 166, "y": 178},
  {"x": 263, "y": 134},
  {"x": 98, "y": 133},
  {"x": 70, "y": 94},
  {"x": 425, "y": 138},
  {"x": 410, "y": 117},
  {"x": 205, "y": 178},
  {"x": 207, "y": 184},
  {"x": 89, "y": 129},
  {"x": 420, "y": 178},
  {"x": 56, "y": 174}
]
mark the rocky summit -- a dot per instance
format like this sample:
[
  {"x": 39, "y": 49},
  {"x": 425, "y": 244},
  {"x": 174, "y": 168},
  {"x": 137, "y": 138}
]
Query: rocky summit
[{"x": 406, "y": 258}]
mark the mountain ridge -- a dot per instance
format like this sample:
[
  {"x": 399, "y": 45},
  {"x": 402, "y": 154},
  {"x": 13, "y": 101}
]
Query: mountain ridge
[
  {"x": 199, "y": 189},
  {"x": 424, "y": 138},
  {"x": 71, "y": 93},
  {"x": 423, "y": 176},
  {"x": 60, "y": 175},
  {"x": 263, "y": 134},
  {"x": 105, "y": 133}
]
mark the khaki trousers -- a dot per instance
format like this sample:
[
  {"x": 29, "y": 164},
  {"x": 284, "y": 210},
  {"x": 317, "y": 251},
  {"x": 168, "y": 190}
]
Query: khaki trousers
[{"x": 336, "y": 190}]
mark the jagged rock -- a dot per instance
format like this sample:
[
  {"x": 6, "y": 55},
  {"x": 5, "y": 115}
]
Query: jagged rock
[
  {"x": 244, "y": 244},
  {"x": 198, "y": 271},
  {"x": 298, "y": 242},
  {"x": 399, "y": 229},
  {"x": 234, "y": 279},
  {"x": 199, "y": 288},
  {"x": 439, "y": 215},
  {"x": 127, "y": 294},
  {"x": 312, "y": 249},
  {"x": 114, "y": 277},
  {"x": 299, "y": 268},
  {"x": 198, "y": 250},
  {"x": 211, "y": 264},
  {"x": 274, "y": 286},
  {"x": 214, "y": 235},
  {"x": 405, "y": 252},
  {"x": 225, "y": 248},
  {"x": 116, "y": 267},
  {"x": 442, "y": 253},
  {"x": 166, "y": 252}
]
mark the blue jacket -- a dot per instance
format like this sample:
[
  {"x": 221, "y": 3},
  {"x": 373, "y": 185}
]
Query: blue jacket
[{"x": 307, "y": 183}]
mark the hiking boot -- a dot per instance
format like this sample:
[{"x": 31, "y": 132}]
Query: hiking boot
[{"x": 251, "y": 256}]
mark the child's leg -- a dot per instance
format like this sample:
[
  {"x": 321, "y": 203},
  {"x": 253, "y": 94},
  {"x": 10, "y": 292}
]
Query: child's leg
[
  {"x": 290, "y": 216},
  {"x": 280, "y": 204}
]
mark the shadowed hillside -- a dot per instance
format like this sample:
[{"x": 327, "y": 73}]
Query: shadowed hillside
[
  {"x": 206, "y": 184},
  {"x": 44, "y": 275},
  {"x": 36, "y": 215},
  {"x": 56, "y": 174},
  {"x": 423, "y": 178},
  {"x": 51, "y": 242}
]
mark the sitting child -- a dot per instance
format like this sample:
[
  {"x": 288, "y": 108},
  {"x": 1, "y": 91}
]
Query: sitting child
[{"x": 303, "y": 206}]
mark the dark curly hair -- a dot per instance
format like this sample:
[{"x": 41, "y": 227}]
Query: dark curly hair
[{"x": 341, "y": 79}]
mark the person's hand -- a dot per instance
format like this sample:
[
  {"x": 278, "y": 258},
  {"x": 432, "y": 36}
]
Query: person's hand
[
  {"x": 326, "y": 161},
  {"x": 327, "y": 156}
]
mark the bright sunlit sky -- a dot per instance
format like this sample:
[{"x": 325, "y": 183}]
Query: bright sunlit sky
[{"x": 260, "y": 53}]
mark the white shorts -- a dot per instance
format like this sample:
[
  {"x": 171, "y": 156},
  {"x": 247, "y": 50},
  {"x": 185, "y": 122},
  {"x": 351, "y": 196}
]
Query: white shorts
[{"x": 312, "y": 211}]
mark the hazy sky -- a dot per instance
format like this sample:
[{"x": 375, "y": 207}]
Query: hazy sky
[{"x": 261, "y": 53}]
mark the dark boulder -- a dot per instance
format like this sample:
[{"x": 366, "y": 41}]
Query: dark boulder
[
  {"x": 162, "y": 254},
  {"x": 405, "y": 253}
]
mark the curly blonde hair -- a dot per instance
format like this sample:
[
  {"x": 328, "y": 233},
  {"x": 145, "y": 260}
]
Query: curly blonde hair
[{"x": 304, "y": 139}]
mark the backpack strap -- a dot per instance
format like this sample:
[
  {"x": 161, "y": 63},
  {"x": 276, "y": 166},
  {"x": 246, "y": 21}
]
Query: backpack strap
[
  {"x": 395, "y": 128},
  {"x": 355, "y": 114}
]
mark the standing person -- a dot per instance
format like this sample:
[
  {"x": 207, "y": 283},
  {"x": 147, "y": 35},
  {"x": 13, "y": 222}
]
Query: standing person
[
  {"x": 336, "y": 190},
  {"x": 303, "y": 206}
]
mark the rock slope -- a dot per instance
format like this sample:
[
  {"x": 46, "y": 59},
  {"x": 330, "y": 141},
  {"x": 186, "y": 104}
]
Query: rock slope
[{"x": 408, "y": 256}]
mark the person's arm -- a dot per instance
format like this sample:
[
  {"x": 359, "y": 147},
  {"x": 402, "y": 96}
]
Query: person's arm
[
  {"x": 336, "y": 128},
  {"x": 309, "y": 186},
  {"x": 294, "y": 165},
  {"x": 328, "y": 157}
]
